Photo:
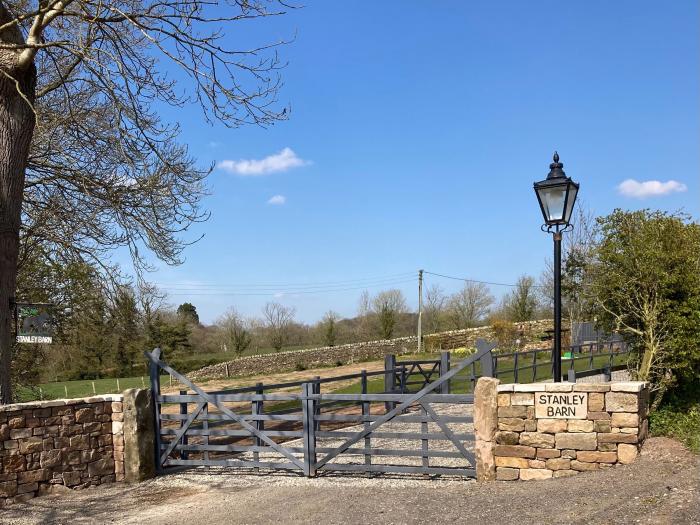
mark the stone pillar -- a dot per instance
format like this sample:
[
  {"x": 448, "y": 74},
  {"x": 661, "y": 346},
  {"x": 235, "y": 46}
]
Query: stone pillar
[
  {"x": 485, "y": 425},
  {"x": 139, "y": 435}
]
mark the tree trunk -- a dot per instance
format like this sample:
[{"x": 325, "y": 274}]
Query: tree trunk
[{"x": 16, "y": 130}]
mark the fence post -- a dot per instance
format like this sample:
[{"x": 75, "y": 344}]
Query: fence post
[
  {"x": 515, "y": 367},
  {"x": 608, "y": 373},
  {"x": 317, "y": 406},
  {"x": 389, "y": 381},
  {"x": 366, "y": 424},
  {"x": 154, "y": 372},
  {"x": 571, "y": 375},
  {"x": 485, "y": 360},
  {"x": 308, "y": 408},
  {"x": 183, "y": 412},
  {"x": 256, "y": 410},
  {"x": 444, "y": 368}
]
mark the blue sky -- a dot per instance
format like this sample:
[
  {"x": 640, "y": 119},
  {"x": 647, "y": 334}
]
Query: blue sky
[{"x": 416, "y": 132}]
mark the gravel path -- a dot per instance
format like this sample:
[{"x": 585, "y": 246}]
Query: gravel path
[{"x": 662, "y": 486}]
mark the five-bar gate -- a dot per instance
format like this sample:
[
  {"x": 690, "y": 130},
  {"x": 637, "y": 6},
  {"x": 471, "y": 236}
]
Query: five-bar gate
[{"x": 426, "y": 432}]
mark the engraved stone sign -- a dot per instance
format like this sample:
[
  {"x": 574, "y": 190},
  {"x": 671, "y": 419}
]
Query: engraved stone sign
[{"x": 561, "y": 405}]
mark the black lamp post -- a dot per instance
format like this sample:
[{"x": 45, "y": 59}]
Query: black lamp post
[{"x": 557, "y": 196}]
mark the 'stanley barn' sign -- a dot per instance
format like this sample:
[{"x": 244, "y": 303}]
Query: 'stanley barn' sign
[{"x": 560, "y": 405}]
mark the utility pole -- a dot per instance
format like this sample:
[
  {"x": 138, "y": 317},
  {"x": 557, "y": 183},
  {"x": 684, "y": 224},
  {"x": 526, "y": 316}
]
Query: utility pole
[{"x": 420, "y": 310}]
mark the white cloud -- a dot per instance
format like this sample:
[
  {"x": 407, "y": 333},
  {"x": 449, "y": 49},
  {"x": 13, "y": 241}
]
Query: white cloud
[
  {"x": 282, "y": 161},
  {"x": 649, "y": 188},
  {"x": 277, "y": 200}
]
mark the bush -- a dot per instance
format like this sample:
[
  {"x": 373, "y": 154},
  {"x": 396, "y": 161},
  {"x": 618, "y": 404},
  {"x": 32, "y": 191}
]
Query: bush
[
  {"x": 505, "y": 334},
  {"x": 300, "y": 367},
  {"x": 679, "y": 418}
]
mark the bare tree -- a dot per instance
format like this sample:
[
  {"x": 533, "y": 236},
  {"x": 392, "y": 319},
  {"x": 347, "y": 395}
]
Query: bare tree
[
  {"x": 278, "y": 322},
  {"x": 85, "y": 165},
  {"x": 470, "y": 305},
  {"x": 434, "y": 306},
  {"x": 235, "y": 334},
  {"x": 521, "y": 304},
  {"x": 387, "y": 306}
]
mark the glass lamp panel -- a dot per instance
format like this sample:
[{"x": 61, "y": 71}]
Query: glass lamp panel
[
  {"x": 573, "y": 190},
  {"x": 552, "y": 199}
]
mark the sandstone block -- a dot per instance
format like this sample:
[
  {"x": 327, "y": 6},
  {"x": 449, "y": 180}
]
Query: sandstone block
[
  {"x": 598, "y": 416},
  {"x": 116, "y": 406},
  {"x": 535, "y": 474},
  {"x": 528, "y": 387},
  {"x": 485, "y": 461},
  {"x": 558, "y": 464},
  {"x": 485, "y": 407},
  {"x": 627, "y": 386},
  {"x": 50, "y": 458},
  {"x": 570, "y": 454},
  {"x": 558, "y": 387},
  {"x": 511, "y": 462},
  {"x": 511, "y": 411},
  {"x": 84, "y": 415},
  {"x": 601, "y": 425},
  {"x": 536, "y": 463},
  {"x": 596, "y": 402},
  {"x": 511, "y": 424},
  {"x": 507, "y": 474},
  {"x": 548, "y": 453},
  {"x": 508, "y": 387},
  {"x": 20, "y": 433},
  {"x": 80, "y": 442},
  {"x": 582, "y": 466},
  {"x": 8, "y": 489},
  {"x": 564, "y": 473},
  {"x": 617, "y": 437},
  {"x": 27, "y": 487},
  {"x": 621, "y": 402},
  {"x": 576, "y": 441},
  {"x": 16, "y": 422},
  {"x": 629, "y": 430},
  {"x": 32, "y": 476},
  {"x": 551, "y": 425},
  {"x": 518, "y": 451},
  {"x": 522, "y": 399},
  {"x": 14, "y": 463},
  {"x": 592, "y": 387},
  {"x": 101, "y": 467},
  {"x": 4, "y": 432},
  {"x": 537, "y": 439},
  {"x": 607, "y": 447},
  {"x": 31, "y": 445},
  {"x": 42, "y": 412},
  {"x": 624, "y": 419},
  {"x": 627, "y": 453},
  {"x": 588, "y": 456},
  {"x": 503, "y": 400},
  {"x": 117, "y": 426},
  {"x": 580, "y": 425},
  {"x": 70, "y": 479},
  {"x": 503, "y": 437},
  {"x": 530, "y": 425}
]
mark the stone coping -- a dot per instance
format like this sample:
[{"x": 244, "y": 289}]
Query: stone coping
[
  {"x": 60, "y": 402},
  {"x": 622, "y": 386}
]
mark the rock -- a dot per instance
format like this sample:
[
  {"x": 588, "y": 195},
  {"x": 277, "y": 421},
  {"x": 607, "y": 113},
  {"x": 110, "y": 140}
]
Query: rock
[
  {"x": 27, "y": 487},
  {"x": 8, "y": 489},
  {"x": 50, "y": 458},
  {"x": 627, "y": 453},
  {"x": 570, "y": 454},
  {"x": 581, "y": 466},
  {"x": 528, "y": 387},
  {"x": 139, "y": 435},
  {"x": 16, "y": 422},
  {"x": 628, "y": 386},
  {"x": 600, "y": 425},
  {"x": 558, "y": 387},
  {"x": 536, "y": 463},
  {"x": 535, "y": 474},
  {"x": 558, "y": 464},
  {"x": 4, "y": 432},
  {"x": 80, "y": 442},
  {"x": 101, "y": 467},
  {"x": 522, "y": 399},
  {"x": 548, "y": 453},
  {"x": 537, "y": 439},
  {"x": 70, "y": 479},
  {"x": 621, "y": 402},
  {"x": 485, "y": 409},
  {"x": 518, "y": 451},
  {"x": 617, "y": 437},
  {"x": 551, "y": 425},
  {"x": 511, "y": 411},
  {"x": 20, "y": 433},
  {"x": 607, "y": 447},
  {"x": 580, "y": 425},
  {"x": 503, "y": 437},
  {"x": 530, "y": 425},
  {"x": 485, "y": 464},
  {"x": 14, "y": 463},
  {"x": 596, "y": 402},
  {"x": 507, "y": 474},
  {"x": 511, "y": 462},
  {"x": 564, "y": 473},
  {"x": 598, "y": 416},
  {"x": 592, "y": 387},
  {"x": 596, "y": 457},
  {"x": 32, "y": 476},
  {"x": 624, "y": 419},
  {"x": 511, "y": 424},
  {"x": 31, "y": 445},
  {"x": 503, "y": 400},
  {"x": 576, "y": 441},
  {"x": 84, "y": 415}
]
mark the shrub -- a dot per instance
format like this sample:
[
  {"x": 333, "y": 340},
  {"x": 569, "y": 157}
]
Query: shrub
[
  {"x": 505, "y": 333},
  {"x": 679, "y": 418},
  {"x": 300, "y": 367}
]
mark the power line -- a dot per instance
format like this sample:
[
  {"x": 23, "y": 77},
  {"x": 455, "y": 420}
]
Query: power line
[{"x": 465, "y": 279}]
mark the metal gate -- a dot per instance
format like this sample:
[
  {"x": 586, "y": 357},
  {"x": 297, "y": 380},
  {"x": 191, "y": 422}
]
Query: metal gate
[{"x": 425, "y": 432}]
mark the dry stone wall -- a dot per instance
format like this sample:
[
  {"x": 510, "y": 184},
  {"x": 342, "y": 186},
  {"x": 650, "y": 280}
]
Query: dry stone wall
[
  {"x": 72, "y": 443},
  {"x": 551, "y": 430},
  {"x": 366, "y": 351}
]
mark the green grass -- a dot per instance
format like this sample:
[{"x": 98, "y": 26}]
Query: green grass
[
  {"x": 679, "y": 418},
  {"x": 84, "y": 388}
]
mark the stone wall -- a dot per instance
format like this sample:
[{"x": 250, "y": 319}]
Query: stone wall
[
  {"x": 71, "y": 443},
  {"x": 547, "y": 430},
  {"x": 366, "y": 351}
]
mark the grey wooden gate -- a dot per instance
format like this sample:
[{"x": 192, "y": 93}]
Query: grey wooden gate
[{"x": 368, "y": 432}]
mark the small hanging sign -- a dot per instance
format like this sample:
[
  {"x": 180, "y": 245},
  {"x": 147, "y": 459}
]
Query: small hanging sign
[{"x": 34, "y": 323}]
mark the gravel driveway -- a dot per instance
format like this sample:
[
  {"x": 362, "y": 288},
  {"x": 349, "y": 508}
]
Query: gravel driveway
[{"x": 662, "y": 486}]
